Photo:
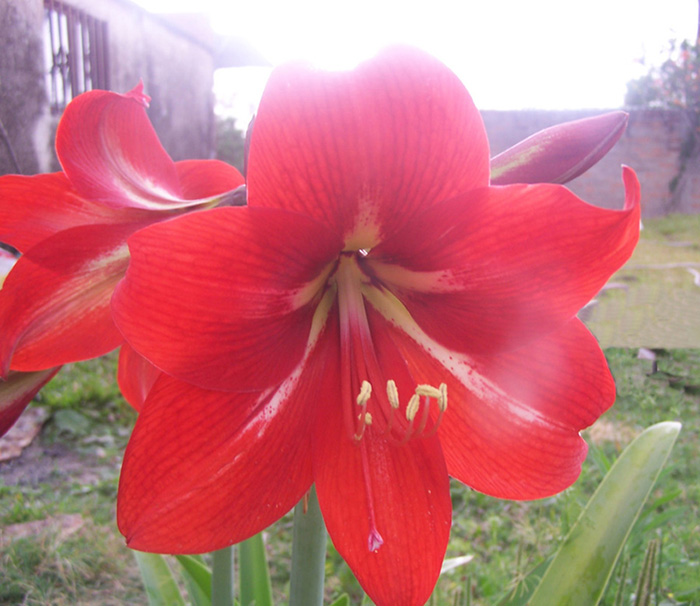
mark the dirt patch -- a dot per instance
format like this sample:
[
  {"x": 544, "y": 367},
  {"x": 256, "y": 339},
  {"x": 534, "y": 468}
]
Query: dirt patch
[
  {"x": 22, "y": 433},
  {"x": 60, "y": 526},
  {"x": 52, "y": 463},
  {"x": 604, "y": 430}
]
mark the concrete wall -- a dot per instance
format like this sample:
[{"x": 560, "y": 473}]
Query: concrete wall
[
  {"x": 651, "y": 145},
  {"x": 23, "y": 101},
  {"x": 177, "y": 69}
]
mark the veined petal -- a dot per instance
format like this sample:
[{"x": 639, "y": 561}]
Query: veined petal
[
  {"x": 206, "y": 469},
  {"x": 34, "y": 208},
  {"x": 387, "y": 507},
  {"x": 17, "y": 390},
  {"x": 363, "y": 151},
  {"x": 207, "y": 178},
  {"x": 208, "y": 296},
  {"x": 54, "y": 305},
  {"x": 511, "y": 428},
  {"x": 501, "y": 266},
  {"x": 135, "y": 376},
  {"x": 560, "y": 153},
  {"x": 552, "y": 389},
  {"x": 111, "y": 154}
]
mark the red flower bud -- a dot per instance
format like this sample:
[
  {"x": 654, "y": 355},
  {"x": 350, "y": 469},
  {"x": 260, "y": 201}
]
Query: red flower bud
[{"x": 560, "y": 153}]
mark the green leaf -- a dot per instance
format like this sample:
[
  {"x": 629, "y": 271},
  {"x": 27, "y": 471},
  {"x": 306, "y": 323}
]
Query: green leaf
[
  {"x": 71, "y": 421},
  {"x": 161, "y": 588},
  {"x": 198, "y": 578},
  {"x": 585, "y": 561},
  {"x": 343, "y": 600},
  {"x": 254, "y": 583}
]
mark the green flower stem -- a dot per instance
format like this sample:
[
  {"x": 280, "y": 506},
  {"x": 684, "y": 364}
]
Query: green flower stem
[
  {"x": 222, "y": 577},
  {"x": 254, "y": 574},
  {"x": 308, "y": 554}
]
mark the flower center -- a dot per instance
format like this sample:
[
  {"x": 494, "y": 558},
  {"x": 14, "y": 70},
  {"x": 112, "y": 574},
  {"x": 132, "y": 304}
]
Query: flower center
[{"x": 364, "y": 369}]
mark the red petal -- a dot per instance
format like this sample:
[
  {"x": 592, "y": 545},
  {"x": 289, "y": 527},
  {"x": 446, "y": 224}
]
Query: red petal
[
  {"x": 208, "y": 296},
  {"x": 135, "y": 376},
  {"x": 206, "y": 178},
  {"x": 54, "y": 305},
  {"x": 34, "y": 208},
  {"x": 110, "y": 152},
  {"x": 363, "y": 151},
  {"x": 207, "y": 469},
  {"x": 560, "y": 153},
  {"x": 501, "y": 266},
  {"x": 512, "y": 424},
  {"x": 387, "y": 507},
  {"x": 17, "y": 391}
]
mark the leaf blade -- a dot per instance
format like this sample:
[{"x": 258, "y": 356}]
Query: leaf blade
[
  {"x": 161, "y": 588},
  {"x": 591, "y": 549}
]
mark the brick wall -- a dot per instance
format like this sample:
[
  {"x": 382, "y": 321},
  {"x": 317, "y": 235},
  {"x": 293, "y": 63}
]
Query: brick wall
[{"x": 651, "y": 145}]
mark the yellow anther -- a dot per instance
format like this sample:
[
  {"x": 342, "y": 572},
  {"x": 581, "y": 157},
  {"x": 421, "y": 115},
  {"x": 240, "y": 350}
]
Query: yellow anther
[
  {"x": 368, "y": 418},
  {"x": 442, "y": 400},
  {"x": 413, "y": 406},
  {"x": 365, "y": 393},
  {"x": 392, "y": 393},
  {"x": 429, "y": 391}
]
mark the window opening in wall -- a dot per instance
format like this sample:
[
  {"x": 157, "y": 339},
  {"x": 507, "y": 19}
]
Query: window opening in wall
[{"x": 76, "y": 53}]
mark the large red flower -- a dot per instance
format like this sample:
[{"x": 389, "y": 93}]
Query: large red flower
[
  {"x": 377, "y": 318},
  {"x": 72, "y": 228}
]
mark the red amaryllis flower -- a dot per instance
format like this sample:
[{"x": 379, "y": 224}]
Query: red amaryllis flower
[
  {"x": 376, "y": 319},
  {"x": 72, "y": 227}
]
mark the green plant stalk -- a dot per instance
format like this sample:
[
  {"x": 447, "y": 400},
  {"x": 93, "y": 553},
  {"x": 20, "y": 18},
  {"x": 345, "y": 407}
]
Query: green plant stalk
[
  {"x": 222, "y": 577},
  {"x": 254, "y": 574},
  {"x": 308, "y": 554}
]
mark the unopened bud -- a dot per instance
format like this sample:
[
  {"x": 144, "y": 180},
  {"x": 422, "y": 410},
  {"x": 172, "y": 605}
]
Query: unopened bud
[{"x": 560, "y": 153}]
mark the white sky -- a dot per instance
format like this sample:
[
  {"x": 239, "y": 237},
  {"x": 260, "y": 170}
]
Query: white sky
[{"x": 511, "y": 54}]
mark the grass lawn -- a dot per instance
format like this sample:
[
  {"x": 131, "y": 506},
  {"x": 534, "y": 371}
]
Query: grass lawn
[{"x": 59, "y": 544}]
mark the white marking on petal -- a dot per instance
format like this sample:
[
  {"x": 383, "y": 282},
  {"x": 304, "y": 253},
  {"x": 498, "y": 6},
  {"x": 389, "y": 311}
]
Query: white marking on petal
[
  {"x": 365, "y": 231},
  {"x": 461, "y": 366},
  {"x": 441, "y": 281},
  {"x": 274, "y": 398}
]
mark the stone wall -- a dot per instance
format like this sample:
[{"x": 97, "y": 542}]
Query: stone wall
[{"x": 651, "y": 145}]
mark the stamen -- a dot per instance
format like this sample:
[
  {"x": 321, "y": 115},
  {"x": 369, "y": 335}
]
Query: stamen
[
  {"x": 364, "y": 421},
  {"x": 365, "y": 393},
  {"x": 442, "y": 400},
  {"x": 392, "y": 393},
  {"x": 429, "y": 391},
  {"x": 442, "y": 407},
  {"x": 412, "y": 408}
]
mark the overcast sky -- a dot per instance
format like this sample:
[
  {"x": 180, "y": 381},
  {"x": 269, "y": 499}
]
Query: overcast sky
[{"x": 511, "y": 54}]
